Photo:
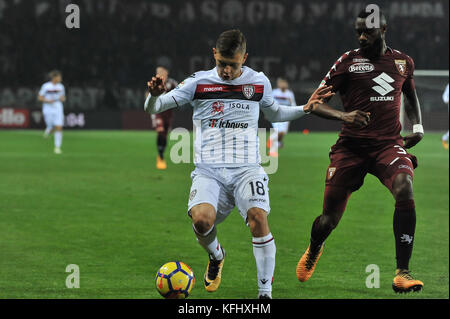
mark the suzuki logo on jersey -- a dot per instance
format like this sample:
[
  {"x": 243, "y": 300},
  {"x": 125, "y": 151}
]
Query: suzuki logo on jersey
[
  {"x": 217, "y": 107},
  {"x": 383, "y": 88},
  {"x": 248, "y": 91}
]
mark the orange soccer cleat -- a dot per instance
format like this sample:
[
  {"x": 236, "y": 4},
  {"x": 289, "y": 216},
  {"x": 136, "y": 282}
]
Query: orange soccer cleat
[
  {"x": 160, "y": 163},
  {"x": 306, "y": 264},
  {"x": 445, "y": 144},
  {"x": 213, "y": 274},
  {"x": 404, "y": 282}
]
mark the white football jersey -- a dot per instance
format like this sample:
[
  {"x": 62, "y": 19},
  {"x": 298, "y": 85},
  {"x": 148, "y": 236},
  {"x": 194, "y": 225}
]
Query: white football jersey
[
  {"x": 445, "y": 95},
  {"x": 284, "y": 98},
  {"x": 52, "y": 91},
  {"x": 225, "y": 116}
]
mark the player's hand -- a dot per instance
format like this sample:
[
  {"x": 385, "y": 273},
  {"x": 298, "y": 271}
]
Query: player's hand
[
  {"x": 356, "y": 118},
  {"x": 156, "y": 85},
  {"x": 412, "y": 139},
  {"x": 319, "y": 95}
]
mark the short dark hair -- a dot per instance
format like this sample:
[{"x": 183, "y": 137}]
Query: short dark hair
[
  {"x": 231, "y": 42},
  {"x": 53, "y": 73},
  {"x": 364, "y": 14}
]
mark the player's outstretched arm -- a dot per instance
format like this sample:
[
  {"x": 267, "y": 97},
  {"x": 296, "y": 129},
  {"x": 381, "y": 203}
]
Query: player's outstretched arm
[
  {"x": 355, "y": 118},
  {"x": 412, "y": 110},
  {"x": 157, "y": 101},
  {"x": 282, "y": 113}
]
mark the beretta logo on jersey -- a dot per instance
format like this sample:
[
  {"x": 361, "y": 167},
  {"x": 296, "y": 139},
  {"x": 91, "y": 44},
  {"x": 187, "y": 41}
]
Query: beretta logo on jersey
[
  {"x": 361, "y": 68},
  {"x": 401, "y": 66},
  {"x": 217, "y": 107},
  {"x": 248, "y": 90}
]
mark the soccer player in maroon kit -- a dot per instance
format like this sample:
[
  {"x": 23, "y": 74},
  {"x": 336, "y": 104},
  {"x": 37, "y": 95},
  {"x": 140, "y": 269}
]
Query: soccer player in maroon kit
[
  {"x": 163, "y": 121},
  {"x": 370, "y": 81}
]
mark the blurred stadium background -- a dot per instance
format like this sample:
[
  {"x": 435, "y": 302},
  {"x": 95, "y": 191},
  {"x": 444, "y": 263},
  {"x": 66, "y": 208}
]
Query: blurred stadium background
[
  {"x": 104, "y": 206},
  {"x": 108, "y": 60}
]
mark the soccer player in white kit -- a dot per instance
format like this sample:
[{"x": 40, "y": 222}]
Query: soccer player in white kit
[
  {"x": 226, "y": 102},
  {"x": 52, "y": 94},
  {"x": 282, "y": 96},
  {"x": 445, "y": 136}
]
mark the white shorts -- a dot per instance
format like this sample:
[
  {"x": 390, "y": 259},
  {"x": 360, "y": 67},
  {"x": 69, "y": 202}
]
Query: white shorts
[
  {"x": 53, "y": 116},
  {"x": 281, "y": 127},
  {"x": 224, "y": 188}
]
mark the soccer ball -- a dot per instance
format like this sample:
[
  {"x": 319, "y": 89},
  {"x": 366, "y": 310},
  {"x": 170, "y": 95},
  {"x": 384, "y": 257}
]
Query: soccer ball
[{"x": 175, "y": 280}]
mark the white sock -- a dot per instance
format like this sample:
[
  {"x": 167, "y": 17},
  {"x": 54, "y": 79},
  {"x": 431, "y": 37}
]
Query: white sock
[
  {"x": 210, "y": 242},
  {"x": 445, "y": 137},
  {"x": 48, "y": 130},
  {"x": 264, "y": 251},
  {"x": 58, "y": 139}
]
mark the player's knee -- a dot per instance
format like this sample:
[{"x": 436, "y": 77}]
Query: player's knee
[
  {"x": 203, "y": 217},
  {"x": 329, "y": 221},
  {"x": 256, "y": 216},
  {"x": 402, "y": 188}
]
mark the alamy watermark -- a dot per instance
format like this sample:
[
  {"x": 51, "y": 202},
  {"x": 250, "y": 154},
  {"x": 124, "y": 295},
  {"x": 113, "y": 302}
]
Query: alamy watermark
[
  {"x": 73, "y": 280},
  {"x": 373, "y": 19},
  {"x": 73, "y": 18},
  {"x": 373, "y": 279},
  {"x": 222, "y": 142}
]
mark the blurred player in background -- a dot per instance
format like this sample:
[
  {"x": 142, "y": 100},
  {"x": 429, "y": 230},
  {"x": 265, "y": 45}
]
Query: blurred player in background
[
  {"x": 226, "y": 101},
  {"x": 370, "y": 80},
  {"x": 162, "y": 121},
  {"x": 282, "y": 96},
  {"x": 52, "y": 95},
  {"x": 445, "y": 136}
]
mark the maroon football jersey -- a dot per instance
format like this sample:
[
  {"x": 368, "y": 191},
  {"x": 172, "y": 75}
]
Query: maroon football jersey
[{"x": 375, "y": 86}]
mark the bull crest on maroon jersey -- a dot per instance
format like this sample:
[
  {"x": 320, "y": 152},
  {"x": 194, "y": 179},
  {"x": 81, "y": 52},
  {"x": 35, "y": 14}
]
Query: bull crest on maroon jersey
[
  {"x": 248, "y": 91},
  {"x": 330, "y": 173},
  {"x": 401, "y": 66}
]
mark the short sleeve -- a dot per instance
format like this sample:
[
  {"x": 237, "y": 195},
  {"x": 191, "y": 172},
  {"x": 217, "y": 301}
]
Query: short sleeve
[
  {"x": 337, "y": 74},
  {"x": 409, "y": 84},
  {"x": 293, "y": 102},
  {"x": 267, "y": 98},
  {"x": 42, "y": 90}
]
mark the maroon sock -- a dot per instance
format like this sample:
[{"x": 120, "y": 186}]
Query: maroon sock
[{"x": 404, "y": 230}]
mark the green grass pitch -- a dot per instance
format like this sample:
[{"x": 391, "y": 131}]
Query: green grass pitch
[{"x": 103, "y": 206}]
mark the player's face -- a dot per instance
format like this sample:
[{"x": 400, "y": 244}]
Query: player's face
[
  {"x": 370, "y": 39},
  {"x": 229, "y": 68},
  {"x": 282, "y": 85},
  {"x": 57, "y": 79}
]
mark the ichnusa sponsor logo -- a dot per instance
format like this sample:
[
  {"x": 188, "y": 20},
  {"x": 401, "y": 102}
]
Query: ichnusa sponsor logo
[
  {"x": 361, "y": 68},
  {"x": 220, "y": 123}
]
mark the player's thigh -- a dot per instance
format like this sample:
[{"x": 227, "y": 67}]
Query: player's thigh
[
  {"x": 206, "y": 189},
  {"x": 391, "y": 161},
  {"x": 252, "y": 191},
  {"x": 281, "y": 127},
  {"x": 48, "y": 118},
  {"x": 58, "y": 118},
  {"x": 346, "y": 170}
]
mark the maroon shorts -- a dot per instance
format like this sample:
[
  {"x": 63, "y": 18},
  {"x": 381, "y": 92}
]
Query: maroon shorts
[
  {"x": 351, "y": 159},
  {"x": 162, "y": 121}
]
